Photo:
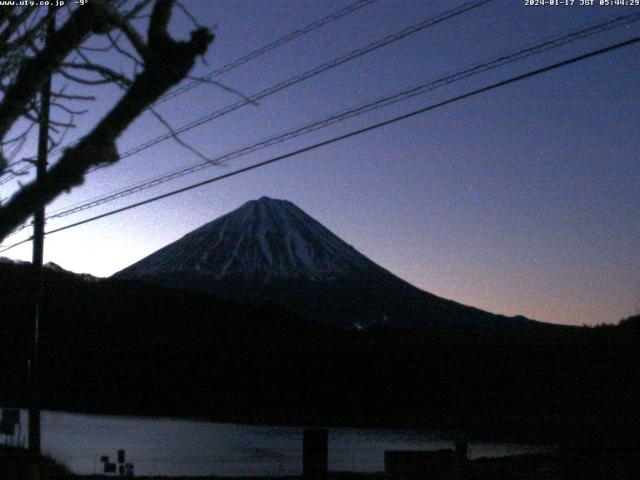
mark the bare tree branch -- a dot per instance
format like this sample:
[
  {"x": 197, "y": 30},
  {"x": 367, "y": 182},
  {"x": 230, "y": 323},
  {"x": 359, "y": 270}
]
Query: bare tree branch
[
  {"x": 160, "y": 16},
  {"x": 165, "y": 63},
  {"x": 177, "y": 138},
  {"x": 107, "y": 73},
  {"x": 224, "y": 87},
  {"x": 34, "y": 71}
]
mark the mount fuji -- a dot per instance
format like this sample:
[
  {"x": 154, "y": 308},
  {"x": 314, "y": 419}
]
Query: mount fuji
[{"x": 270, "y": 249}]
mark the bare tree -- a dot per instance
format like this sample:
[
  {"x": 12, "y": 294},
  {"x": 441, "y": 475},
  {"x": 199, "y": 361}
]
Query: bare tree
[{"x": 157, "y": 61}]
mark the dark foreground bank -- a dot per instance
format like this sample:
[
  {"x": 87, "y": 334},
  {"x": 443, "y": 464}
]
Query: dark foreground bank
[
  {"x": 123, "y": 347},
  {"x": 17, "y": 464},
  {"x": 578, "y": 464}
]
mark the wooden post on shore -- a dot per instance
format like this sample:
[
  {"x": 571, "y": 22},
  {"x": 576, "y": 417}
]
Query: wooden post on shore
[
  {"x": 315, "y": 454},
  {"x": 460, "y": 460}
]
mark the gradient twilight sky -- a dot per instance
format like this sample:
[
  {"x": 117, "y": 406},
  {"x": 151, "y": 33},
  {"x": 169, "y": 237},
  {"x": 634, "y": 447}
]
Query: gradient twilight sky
[{"x": 524, "y": 200}]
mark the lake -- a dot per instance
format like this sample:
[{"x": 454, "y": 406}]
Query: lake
[{"x": 168, "y": 446}]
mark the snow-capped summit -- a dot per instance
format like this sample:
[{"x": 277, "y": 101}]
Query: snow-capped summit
[
  {"x": 271, "y": 250},
  {"x": 267, "y": 239}
]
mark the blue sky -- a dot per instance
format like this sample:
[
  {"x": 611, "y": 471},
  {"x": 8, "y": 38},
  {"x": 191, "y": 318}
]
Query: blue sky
[{"x": 523, "y": 200}]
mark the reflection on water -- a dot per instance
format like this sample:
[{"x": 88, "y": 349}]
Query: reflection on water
[{"x": 166, "y": 446}]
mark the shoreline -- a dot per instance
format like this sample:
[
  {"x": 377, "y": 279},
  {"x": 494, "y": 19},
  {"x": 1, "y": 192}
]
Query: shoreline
[
  {"x": 518, "y": 430},
  {"x": 617, "y": 464}
]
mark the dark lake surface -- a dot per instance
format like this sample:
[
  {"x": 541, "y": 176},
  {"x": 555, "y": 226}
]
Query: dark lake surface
[{"x": 168, "y": 446}]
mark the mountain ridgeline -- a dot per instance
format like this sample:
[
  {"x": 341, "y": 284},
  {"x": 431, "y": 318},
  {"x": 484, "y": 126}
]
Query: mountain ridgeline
[
  {"x": 271, "y": 250},
  {"x": 282, "y": 348}
]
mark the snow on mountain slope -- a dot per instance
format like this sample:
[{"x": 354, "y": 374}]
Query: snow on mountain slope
[
  {"x": 271, "y": 250},
  {"x": 264, "y": 239}
]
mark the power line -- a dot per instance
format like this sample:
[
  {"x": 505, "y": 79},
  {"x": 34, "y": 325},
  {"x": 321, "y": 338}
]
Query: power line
[
  {"x": 551, "y": 43},
  {"x": 9, "y": 247},
  {"x": 289, "y": 37},
  {"x": 389, "y": 39},
  {"x": 267, "y": 48},
  {"x": 424, "y": 24},
  {"x": 548, "y": 44},
  {"x": 354, "y": 133}
]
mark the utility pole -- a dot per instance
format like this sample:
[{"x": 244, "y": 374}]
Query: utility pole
[{"x": 38, "y": 255}]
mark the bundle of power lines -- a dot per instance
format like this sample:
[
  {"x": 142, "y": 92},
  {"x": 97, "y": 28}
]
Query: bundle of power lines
[{"x": 542, "y": 46}]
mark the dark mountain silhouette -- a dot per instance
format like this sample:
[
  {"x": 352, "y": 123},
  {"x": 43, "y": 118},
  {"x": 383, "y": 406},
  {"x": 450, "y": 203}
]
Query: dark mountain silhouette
[
  {"x": 632, "y": 322},
  {"x": 271, "y": 250},
  {"x": 129, "y": 346},
  {"x": 123, "y": 346}
]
